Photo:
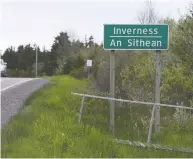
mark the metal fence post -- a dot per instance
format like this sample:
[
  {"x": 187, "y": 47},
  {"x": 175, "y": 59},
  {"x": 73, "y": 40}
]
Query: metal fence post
[
  {"x": 151, "y": 125},
  {"x": 81, "y": 108}
]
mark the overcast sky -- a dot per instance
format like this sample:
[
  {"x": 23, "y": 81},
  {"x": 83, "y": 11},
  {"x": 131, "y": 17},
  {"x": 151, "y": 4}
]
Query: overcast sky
[{"x": 39, "y": 22}]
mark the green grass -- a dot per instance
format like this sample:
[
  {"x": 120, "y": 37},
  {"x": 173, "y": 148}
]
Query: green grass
[{"x": 47, "y": 127}]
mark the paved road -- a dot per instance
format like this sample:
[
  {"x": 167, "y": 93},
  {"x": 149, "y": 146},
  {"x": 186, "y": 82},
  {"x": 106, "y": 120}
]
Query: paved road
[{"x": 14, "y": 92}]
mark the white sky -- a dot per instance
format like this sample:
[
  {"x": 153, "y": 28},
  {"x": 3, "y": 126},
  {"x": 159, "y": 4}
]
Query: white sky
[{"x": 24, "y": 22}]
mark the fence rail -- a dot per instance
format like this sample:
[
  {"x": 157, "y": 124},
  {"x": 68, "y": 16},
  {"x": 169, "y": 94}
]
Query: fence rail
[
  {"x": 131, "y": 101},
  {"x": 151, "y": 120},
  {"x": 156, "y": 146}
]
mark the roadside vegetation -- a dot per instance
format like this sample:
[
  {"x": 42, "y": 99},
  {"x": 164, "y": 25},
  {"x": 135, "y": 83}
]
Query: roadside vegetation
[{"x": 48, "y": 127}]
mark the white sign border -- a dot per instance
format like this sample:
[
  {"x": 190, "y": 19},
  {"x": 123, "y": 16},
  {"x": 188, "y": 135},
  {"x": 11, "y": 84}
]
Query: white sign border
[{"x": 135, "y": 49}]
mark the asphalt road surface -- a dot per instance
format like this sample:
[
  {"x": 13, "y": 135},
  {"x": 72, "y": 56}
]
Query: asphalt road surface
[{"x": 14, "y": 92}]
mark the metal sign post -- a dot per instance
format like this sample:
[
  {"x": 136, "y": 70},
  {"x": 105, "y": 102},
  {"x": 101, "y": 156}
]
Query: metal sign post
[
  {"x": 157, "y": 90},
  {"x": 112, "y": 92},
  {"x": 136, "y": 37}
]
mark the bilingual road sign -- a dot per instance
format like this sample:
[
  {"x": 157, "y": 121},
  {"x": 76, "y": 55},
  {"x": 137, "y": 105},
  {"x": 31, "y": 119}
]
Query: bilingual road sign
[{"x": 136, "y": 37}]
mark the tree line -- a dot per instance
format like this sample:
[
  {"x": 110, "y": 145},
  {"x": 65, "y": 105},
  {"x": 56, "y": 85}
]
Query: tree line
[
  {"x": 135, "y": 70},
  {"x": 21, "y": 60}
]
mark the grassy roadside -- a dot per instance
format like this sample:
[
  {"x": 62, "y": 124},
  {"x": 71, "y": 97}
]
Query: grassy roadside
[
  {"x": 47, "y": 127},
  {"x": 132, "y": 123}
]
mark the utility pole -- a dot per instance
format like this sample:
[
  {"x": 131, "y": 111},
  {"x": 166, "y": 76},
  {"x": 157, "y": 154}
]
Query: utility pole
[
  {"x": 36, "y": 61},
  {"x": 191, "y": 11},
  {"x": 157, "y": 90},
  {"x": 112, "y": 92}
]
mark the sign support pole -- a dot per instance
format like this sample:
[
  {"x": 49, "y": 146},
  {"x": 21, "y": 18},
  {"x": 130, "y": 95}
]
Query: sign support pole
[
  {"x": 88, "y": 69},
  {"x": 121, "y": 37},
  {"x": 157, "y": 91},
  {"x": 112, "y": 92}
]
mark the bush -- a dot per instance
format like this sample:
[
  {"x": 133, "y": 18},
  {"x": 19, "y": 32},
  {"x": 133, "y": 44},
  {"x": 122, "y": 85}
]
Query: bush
[
  {"x": 177, "y": 85},
  {"x": 19, "y": 73},
  {"x": 59, "y": 71},
  {"x": 78, "y": 73},
  {"x": 72, "y": 63},
  {"x": 69, "y": 65}
]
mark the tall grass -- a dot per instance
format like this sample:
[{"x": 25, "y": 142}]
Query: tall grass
[
  {"x": 132, "y": 123},
  {"x": 47, "y": 127}
]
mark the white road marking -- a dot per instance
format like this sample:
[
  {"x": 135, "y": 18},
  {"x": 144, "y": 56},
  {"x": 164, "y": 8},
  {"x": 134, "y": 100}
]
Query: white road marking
[{"x": 15, "y": 85}]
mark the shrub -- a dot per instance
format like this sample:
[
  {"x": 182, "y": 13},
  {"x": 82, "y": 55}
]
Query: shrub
[
  {"x": 183, "y": 119},
  {"x": 19, "y": 73},
  {"x": 72, "y": 63},
  {"x": 78, "y": 73}
]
